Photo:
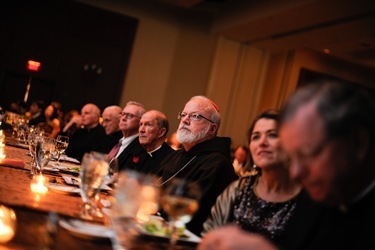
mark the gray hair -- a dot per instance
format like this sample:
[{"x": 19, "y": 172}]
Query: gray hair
[
  {"x": 213, "y": 108},
  {"x": 142, "y": 107}
]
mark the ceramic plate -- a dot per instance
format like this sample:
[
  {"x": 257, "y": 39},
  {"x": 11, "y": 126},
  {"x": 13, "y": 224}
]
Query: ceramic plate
[
  {"x": 86, "y": 230},
  {"x": 64, "y": 189},
  {"x": 68, "y": 159},
  {"x": 76, "y": 181},
  {"x": 187, "y": 236}
]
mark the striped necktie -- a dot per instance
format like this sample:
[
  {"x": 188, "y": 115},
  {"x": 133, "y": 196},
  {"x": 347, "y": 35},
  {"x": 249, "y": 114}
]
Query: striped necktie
[{"x": 114, "y": 150}]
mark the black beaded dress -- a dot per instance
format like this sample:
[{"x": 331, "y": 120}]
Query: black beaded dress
[{"x": 256, "y": 215}]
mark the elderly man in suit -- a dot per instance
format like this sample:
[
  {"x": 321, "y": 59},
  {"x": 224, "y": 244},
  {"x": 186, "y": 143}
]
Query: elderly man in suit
[
  {"x": 153, "y": 129},
  {"x": 111, "y": 118},
  {"x": 128, "y": 145},
  {"x": 91, "y": 137}
]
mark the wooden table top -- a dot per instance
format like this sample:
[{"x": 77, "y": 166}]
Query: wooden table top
[{"x": 32, "y": 210}]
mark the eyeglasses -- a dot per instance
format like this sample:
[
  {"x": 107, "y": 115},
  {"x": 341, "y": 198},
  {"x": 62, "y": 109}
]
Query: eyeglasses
[
  {"x": 128, "y": 115},
  {"x": 192, "y": 117}
]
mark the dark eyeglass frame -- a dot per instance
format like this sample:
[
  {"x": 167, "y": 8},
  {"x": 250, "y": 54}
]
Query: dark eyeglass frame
[
  {"x": 129, "y": 115},
  {"x": 193, "y": 117}
]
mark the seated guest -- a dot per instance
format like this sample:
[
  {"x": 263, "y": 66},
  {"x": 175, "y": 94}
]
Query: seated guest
[
  {"x": 111, "y": 119},
  {"x": 72, "y": 122},
  {"x": 91, "y": 137},
  {"x": 204, "y": 158},
  {"x": 52, "y": 123},
  {"x": 128, "y": 145},
  {"x": 153, "y": 129},
  {"x": 36, "y": 115},
  {"x": 263, "y": 203},
  {"x": 240, "y": 159},
  {"x": 328, "y": 130}
]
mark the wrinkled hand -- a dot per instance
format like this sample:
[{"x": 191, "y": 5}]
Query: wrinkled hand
[
  {"x": 77, "y": 120},
  {"x": 232, "y": 238}
]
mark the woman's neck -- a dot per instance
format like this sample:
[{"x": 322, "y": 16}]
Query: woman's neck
[{"x": 276, "y": 185}]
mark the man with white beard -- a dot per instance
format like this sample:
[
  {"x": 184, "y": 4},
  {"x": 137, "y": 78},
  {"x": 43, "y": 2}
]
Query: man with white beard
[{"x": 204, "y": 158}]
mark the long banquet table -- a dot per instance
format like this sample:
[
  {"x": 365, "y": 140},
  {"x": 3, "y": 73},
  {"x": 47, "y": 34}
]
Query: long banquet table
[{"x": 32, "y": 210}]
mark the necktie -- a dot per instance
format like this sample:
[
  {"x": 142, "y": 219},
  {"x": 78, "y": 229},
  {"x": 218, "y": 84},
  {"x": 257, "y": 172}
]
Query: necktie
[{"x": 115, "y": 150}]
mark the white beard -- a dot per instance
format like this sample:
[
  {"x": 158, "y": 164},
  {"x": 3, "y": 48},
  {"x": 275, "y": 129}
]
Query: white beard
[{"x": 186, "y": 136}]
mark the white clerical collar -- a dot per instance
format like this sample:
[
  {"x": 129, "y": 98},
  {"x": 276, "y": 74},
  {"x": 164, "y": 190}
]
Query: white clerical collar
[
  {"x": 156, "y": 149},
  {"x": 359, "y": 197},
  {"x": 364, "y": 192}
]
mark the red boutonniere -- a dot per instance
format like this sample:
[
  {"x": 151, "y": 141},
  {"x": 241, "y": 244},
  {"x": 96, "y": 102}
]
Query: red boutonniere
[{"x": 135, "y": 159}]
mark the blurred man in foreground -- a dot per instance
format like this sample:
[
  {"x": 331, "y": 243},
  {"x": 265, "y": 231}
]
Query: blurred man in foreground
[{"x": 328, "y": 129}]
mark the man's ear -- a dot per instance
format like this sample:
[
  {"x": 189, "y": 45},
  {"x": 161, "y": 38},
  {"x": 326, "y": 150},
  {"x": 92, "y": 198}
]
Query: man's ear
[
  {"x": 213, "y": 129},
  {"x": 162, "y": 132}
]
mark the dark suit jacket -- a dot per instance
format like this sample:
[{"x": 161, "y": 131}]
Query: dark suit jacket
[
  {"x": 130, "y": 154},
  {"x": 317, "y": 227},
  {"x": 113, "y": 140},
  {"x": 151, "y": 164},
  {"x": 86, "y": 140},
  {"x": 35, "y": 121}
]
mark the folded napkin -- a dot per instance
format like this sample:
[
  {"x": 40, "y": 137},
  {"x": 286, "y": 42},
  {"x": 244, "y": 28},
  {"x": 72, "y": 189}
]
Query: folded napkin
[{"x": 16, "y": 163}]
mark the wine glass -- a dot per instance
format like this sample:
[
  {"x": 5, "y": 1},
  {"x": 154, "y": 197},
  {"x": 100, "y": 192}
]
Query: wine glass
[
  {"x": 180, "y": 200},
  {"x": 61, "y": 145},
  {"x": 22, "y": 129},
  {"x": 94, "y": 169},
  {"x": 43, "y": 152},
  {"x": 135, "y": 200},
  {"x": 112, "y": 177},
  {"x": 32, "y": 141}
]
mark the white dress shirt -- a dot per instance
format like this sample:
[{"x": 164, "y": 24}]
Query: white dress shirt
[{"x": 125, "y": 142}]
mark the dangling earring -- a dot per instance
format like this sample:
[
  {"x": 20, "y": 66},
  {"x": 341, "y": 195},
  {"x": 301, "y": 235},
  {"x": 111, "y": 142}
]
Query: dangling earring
[{"x": 254, "y": 170}]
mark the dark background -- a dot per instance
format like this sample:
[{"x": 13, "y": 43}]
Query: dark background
[{"x": 84, "y": 52}]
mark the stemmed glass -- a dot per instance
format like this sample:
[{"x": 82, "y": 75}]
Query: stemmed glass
[
  {"x": 32, "y": 141},
  {"x": 112, "y": 177},
  {"x": 94, "y": 169},
  {"x": 43, "y": 152},
  {"x": 136, "y": 199},
  {"x": 180, "y": 200},
  {"x": 62, "y": 143}
]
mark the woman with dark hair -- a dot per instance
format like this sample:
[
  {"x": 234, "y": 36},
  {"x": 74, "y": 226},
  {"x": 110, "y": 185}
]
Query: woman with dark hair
[
  {"x": 52, "y": 124},
  {"x": 263, "y": 202}
]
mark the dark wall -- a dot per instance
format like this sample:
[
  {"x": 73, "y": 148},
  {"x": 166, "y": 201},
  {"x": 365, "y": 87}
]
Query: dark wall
[{"x": 84, "y": 52}]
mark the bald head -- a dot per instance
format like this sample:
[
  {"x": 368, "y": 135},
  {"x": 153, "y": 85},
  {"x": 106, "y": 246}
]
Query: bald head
[
  {"x": 90, "y": 115},
  {"x": 111, "y": 119}
]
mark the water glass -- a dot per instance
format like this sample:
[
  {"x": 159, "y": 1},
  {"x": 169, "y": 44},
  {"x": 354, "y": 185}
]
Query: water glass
[
  {"x": 94, "y": 170},
  {"x": 136, "y": 199},
  {"x": 43, "y": 152}
]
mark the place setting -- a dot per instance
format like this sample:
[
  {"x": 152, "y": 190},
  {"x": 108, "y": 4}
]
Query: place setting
[{"x": 94, "y": 176}]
